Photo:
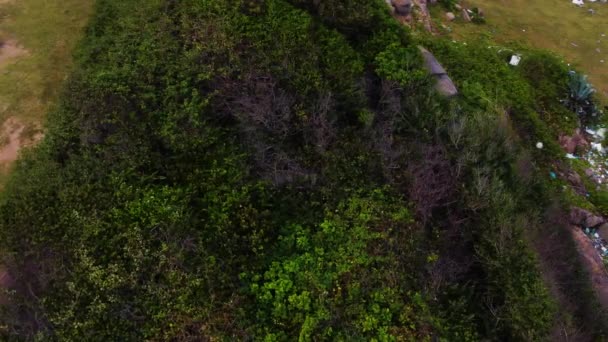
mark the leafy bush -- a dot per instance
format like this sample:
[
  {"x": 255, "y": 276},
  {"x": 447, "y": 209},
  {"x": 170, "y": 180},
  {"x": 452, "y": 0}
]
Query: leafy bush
[
  {"x": 580, "y": 97},
  {"x": 277, "y": 170}
]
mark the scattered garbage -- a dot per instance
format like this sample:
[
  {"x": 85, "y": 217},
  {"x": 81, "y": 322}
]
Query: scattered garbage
[
  {"x": 553, "y": 175},
  {"x": 578, "y": 2},
  {"x": 597, "y": 156},
  {"x": 600, "y": 245},
  {"x": 571, "y": 156},
  {"x": 515, "y": 59},
  {"x": 597, "y": 147},
  {"x": 539, "y": 145}
]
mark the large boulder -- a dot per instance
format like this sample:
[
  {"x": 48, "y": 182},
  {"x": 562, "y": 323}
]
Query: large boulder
[
  {"x": 602, "y": 231},
  {"x": 444, "y": 84},
  {"x": 593, "y": 221},
  {"x": 402, "y": 7},
  {"x": 571, "y": 143},
  {"x": 585, "y": 218}
]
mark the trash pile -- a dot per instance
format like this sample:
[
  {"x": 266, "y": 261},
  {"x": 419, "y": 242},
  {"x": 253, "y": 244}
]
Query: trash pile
[
  {"x": 599, "y": 244},
  {"x": 597, "y": 156}
]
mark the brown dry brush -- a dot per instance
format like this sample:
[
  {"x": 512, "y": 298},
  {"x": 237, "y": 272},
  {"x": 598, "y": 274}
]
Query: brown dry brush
[
  {"x": 433, "y": 181},
  {"x": 384, "y": 136},
  {"x": 268, "y": 120}
]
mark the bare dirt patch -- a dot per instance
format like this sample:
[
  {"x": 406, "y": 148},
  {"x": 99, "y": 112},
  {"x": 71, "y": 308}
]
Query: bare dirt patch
[
  {"x": 10, "y": 50},
  {"x": 14, "y": 135},
  {"x": 593, "y": 264}
]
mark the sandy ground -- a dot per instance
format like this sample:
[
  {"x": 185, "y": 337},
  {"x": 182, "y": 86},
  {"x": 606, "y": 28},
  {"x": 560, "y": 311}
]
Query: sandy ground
[
  {"x": 10, "y": 50},
  {"x": 13, "y": 140},
  {"x": 11, "y": 131}
]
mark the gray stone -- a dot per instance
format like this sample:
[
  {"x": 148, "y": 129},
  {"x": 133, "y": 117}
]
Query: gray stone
[
  {"x": 444, "y": 84},
  {"x": 450, "y": 16},
  {"x": 578, "y": 216},
  {"x": 465, "y": 15},
  {"x": 602, "y": 231},
  {"x": 402, "y": 7},
  {"x": 574, "y": 179},
  {"x": 570, "y": 144},
  {"x": 593, "y": 221}
]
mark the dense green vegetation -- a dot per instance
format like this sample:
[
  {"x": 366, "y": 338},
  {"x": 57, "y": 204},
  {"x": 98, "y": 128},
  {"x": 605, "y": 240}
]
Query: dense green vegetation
[{"x": 279, "y": 170}]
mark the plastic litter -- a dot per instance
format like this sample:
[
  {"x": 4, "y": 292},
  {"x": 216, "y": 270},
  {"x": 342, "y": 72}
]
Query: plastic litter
[
  {"x": 570, "y": 156},
  {"x": 515, "y": 59},
  {"x": 578, "y": 2},
  {"x": 539, "y": 145},
  {"x": 552, "y": 175}
]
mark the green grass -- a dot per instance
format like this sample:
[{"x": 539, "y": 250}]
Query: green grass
[
  {"x": 548, "y": 24},
  {"x": 48, "y": 31}
]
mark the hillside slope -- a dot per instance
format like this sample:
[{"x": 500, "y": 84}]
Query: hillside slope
[{"x": 280, "y": 170}]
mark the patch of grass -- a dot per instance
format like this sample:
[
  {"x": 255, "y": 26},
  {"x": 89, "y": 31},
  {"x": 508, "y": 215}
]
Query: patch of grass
[
  {"x": 48, "y": 31},
  {"x": 555, "y": 25}
]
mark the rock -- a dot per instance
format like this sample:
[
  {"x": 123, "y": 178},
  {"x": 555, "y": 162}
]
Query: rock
[
  {"x": 582, "y": 217},
  {"x": 465, "y": 15},
  {"x": 603, "y": 231},
  {"x": 458, "y": 7},
  {"x": 444, "y": 84},
  {"x": 593, "y": 221},
  {"x": 574, "y": 179},
  {"x": 570, "y": 144},
  {"x": 577, "y": 216},
  {"x": 450, "y": 16},
  {"x": 402, "y": 7}
]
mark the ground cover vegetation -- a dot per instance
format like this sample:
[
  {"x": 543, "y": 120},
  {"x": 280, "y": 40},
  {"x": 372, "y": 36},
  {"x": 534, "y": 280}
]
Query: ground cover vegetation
[{"x": 279, "y": 170}]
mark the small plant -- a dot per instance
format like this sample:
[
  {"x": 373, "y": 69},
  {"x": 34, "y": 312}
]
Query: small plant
[
  {"x": 580, "y": 97},
  {"x": 449, "y": 5},
  {"x": 478, "y": 17}
]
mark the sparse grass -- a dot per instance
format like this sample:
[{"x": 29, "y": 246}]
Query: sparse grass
[
  {"x": 48, "y": 30},
  {"x": 549, "y": 24}
]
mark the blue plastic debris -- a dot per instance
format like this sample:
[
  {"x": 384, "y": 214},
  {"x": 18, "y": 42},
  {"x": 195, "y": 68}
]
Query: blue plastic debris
[{"x": 553, "y": 175}]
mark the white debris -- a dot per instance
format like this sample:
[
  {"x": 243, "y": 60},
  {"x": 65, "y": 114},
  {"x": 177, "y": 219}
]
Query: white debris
[
  {"x": 597, "y": 147},
  {"x": 578, "y": 2},
  {"x": 539, "y": 145},
  {"x": 570, "y": 156},
  {"x": 515, "y": 59},
  {"x": 601, "y": 133}
]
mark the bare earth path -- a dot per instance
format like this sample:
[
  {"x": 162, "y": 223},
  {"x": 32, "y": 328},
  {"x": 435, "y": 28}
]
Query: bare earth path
[
  {"x": 36, "y": 42},
  {"x": 593, "y": 264}
]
